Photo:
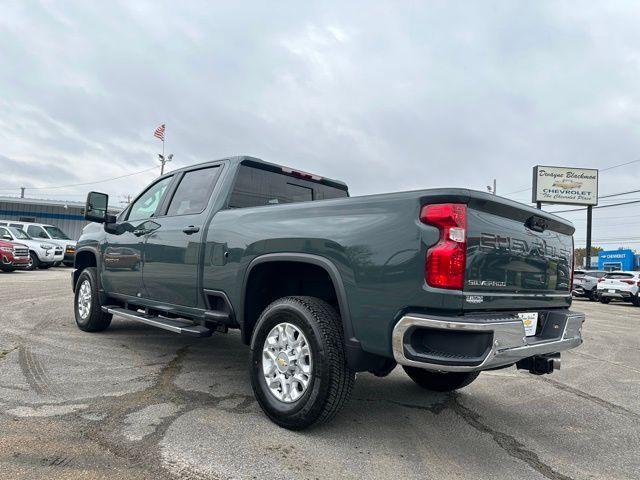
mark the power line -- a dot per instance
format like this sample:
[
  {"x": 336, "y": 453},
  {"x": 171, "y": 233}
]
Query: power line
[
  {"x": 85, "y": 183},
  {"x": 599, "y": 206},
  {"x": 618, "y": 194}
]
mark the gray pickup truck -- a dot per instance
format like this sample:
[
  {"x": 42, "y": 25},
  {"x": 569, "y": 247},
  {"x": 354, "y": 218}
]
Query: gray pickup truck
[{"x": 445, "y": 282}]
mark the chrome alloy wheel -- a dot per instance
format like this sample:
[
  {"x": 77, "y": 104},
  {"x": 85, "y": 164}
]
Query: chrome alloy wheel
[
  {"x": 286, "y": 362},
  {"x": 84, "y": 299}
]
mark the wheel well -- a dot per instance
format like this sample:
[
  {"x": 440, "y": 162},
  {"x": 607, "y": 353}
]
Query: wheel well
[
  {"x": 272, "y": 280},
  {"x": 83, "y": 260}
]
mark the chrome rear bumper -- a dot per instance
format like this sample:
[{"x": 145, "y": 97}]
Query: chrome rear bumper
[{"x": 509, "y": 343}]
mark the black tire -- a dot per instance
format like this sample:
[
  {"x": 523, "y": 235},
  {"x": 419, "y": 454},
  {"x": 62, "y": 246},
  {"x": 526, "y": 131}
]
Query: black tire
[
  {"x": 604, "y": 300},
  {"x": 45, "y": 266},
  {"x": 96, "y": 320},
  {"x": 331, "y": 379},
  {"x": 440, "y": 382},
  {"x": 593, "y": 295},
  {"x": 636, "y": 301},
  {"x": 34, "y": 262},
  {"x": 68, "y": 264},
  {"x": 8, "y": 268}
]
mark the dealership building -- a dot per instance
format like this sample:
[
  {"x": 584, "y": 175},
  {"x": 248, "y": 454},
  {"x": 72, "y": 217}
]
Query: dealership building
[
  {"x": 66, "y": 215},
  {"x": 623, "y": 259}
]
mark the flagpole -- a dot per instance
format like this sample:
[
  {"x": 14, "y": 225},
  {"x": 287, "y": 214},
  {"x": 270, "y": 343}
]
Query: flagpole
[{"x": 160, "y": 133}]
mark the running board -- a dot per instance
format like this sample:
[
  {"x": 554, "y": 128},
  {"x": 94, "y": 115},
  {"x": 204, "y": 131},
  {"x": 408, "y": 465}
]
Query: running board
[{"x": 175, "y": 326}]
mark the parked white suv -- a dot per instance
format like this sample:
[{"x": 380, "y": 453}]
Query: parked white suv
[
  {"x": 48, "y": 233},
  {"x": 42, "y": 254},
  {"x": 619, "y": 286}
]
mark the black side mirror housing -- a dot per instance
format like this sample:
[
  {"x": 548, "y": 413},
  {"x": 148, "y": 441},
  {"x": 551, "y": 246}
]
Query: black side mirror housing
[{"x": 96, "y": 207}]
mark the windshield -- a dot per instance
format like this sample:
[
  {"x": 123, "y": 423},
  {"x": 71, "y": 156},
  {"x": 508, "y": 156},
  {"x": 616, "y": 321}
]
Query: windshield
[
  {"x": 56, "y": 233},
  {"x": 19, "y": 234}
]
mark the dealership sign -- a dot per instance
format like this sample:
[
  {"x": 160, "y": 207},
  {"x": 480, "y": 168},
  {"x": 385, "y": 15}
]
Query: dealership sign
[{"x": 575, "y": 186}]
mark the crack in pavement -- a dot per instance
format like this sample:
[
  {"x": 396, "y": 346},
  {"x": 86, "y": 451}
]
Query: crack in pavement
[
  {"x": 610, "y": 362},
  {"x": 108, "y": 432},
  {"x": 4, "y": 353},
  {"x": 507, "y": 442},
  {"x": 612, "y": 407}
]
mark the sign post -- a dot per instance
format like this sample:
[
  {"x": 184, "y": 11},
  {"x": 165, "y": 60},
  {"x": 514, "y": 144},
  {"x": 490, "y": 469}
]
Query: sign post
[
  {"x": 588, "y": 249},
  {"x": 567, "y": 186}
]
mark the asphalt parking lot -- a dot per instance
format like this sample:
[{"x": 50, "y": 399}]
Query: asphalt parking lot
[{"x": 137, "y": 402}]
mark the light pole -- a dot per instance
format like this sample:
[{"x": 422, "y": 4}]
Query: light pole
[{"x": 164, "y": 159}]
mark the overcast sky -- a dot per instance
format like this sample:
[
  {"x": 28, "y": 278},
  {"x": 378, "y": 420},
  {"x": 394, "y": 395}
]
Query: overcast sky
[{"x": 386, "y": 96}]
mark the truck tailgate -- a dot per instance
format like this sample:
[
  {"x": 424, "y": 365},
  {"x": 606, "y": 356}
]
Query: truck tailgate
[{"x": 517, "y": 257}]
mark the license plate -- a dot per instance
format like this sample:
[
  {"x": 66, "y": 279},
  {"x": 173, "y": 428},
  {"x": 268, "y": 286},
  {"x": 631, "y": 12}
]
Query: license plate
[
  {"x": 530, "y": 322},
  {"x": 612, "y": 291}
]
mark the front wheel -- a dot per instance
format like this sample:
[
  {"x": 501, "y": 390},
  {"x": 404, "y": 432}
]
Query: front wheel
[
  {"x": 7, "y": 268},
  {"x": 604, "y": 300},
  {"x": 440, "y": 381},
  {"x": 34, "y": 262},
  {"x": 299, "y": 372},
  {"x": 593, "y": 295},
  {"x": 87, "y": 307}
]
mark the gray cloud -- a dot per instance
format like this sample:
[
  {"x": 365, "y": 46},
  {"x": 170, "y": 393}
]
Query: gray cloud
[{"x": 386, "y": 96}]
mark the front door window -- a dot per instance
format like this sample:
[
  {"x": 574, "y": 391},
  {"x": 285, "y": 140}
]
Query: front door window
[{"x": 145, "y": 206}]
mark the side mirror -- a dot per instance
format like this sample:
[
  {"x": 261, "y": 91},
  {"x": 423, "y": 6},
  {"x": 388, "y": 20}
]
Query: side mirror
[
  {"x": 96, "y": 208},
  {"x": 7, "y": 237}
]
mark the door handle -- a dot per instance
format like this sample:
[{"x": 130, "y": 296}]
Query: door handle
[{"x": 191, "y": 229}]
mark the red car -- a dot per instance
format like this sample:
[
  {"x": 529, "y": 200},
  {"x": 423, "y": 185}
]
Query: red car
[{"x": 13, "y": 255}]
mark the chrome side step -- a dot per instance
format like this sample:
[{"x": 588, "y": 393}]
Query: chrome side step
[{"x": 183, "y": 327}]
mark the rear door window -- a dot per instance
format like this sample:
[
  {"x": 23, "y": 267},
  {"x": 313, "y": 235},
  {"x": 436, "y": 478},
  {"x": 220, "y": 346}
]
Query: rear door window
[{"x": 193, "y": 192}]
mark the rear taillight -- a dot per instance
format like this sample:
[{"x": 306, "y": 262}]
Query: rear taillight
[
  {"x": 601, "y": 279},
  {"x": 446, "y": 260},
  {"x": 628, "y": 282}
]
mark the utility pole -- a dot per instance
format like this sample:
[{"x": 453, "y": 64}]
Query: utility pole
[
  {"x": 491, "y": 189},
  {"x": 494, "y": 186},
  {"x": 22, "y": 192}
]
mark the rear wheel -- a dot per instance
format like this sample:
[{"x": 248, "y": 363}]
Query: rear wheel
[
  {"x": 593, "y": 295},
  {"x": 87, "y": 307},
  {"x": 604, "y": 299},
  {"x": 34, "y": 262},
  {"x": 299, "y": 372},
  {"x": 7, "y": 268},
  {"x": 636, "y": 301},
  {"x": 440, "y": 381}
]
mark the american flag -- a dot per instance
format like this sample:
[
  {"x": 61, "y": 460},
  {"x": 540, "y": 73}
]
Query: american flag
[{"x": 159, "y": 132}]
